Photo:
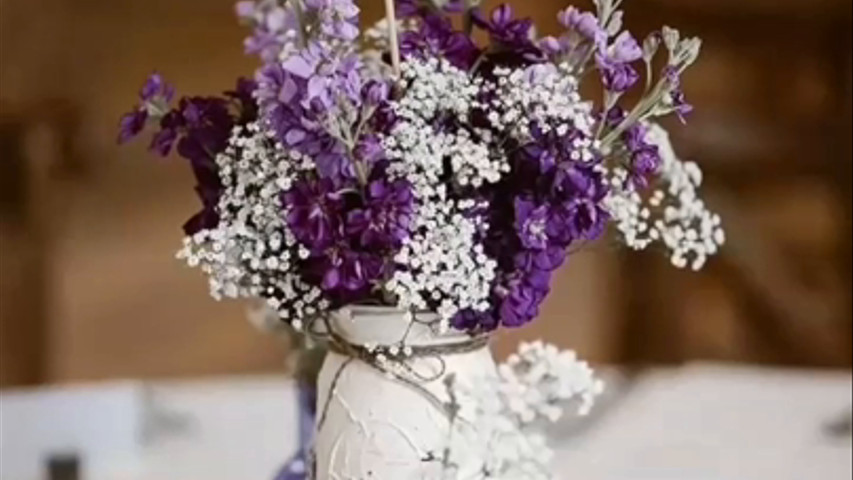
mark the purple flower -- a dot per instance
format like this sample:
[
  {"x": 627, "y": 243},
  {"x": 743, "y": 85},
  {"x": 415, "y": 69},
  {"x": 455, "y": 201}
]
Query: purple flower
[
  {"x": 245, "y": 9},
  {"x": 617, "y": 74},
  {"x": 243, "y": 94},
  {"x": 522, "y": 296},
  {"x": 163, "y": 141},
  {"x": 549, "y": 148},
  {"x": 270, "y": 23},
  {"x": 200, "y": 128},
  {"x": 472, "y": 320},
  {"x": 618, "y": 77},
  {"x": 546, "y": 260},
  {"x": 436, "y": 37},
  {"x": 155, "y": 88},
  {"x": 132, "y": 124},
  {"x": 676, "y": 96},
  {"x": 346, "y": 275},
  {"x": 337, "y": 18},
  {"x": 154, "y": 96},
  {"x": 643, "y": 156},
  {"x": 625, "y": 49},
  {"x": 314, "y": 213},
  {"x": 282, "y": 100},
  {"x": 530, "y": 224},
  {"x": 375, "y": 92},
  {"x": 386, "y": 217},
  {"x": 584, "y": 218},
  {"x": 585, "y": 24},
  {"x": 512, "y": 34},
  {"x": 369, "y": 150},
  {"x": 645, "y": 161},
  {"x": 413, "y": 8}
]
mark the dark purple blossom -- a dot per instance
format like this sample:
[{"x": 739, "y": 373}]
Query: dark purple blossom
[
  {"x": 531, "y": 223},
  {"x": 522, "y": 297},
  {"x": 386, "y": 217},
  {"x": 549, "y": 147},
  {"x": 584, "y": 218},
  {"x": 508, "y": 33},
  {"x": 243, "y": 94},
  {"x": 346, "y": 275},
  {"x": 472, "y": 320},
  {"x": 413, "y": 8},
  {"x": 199, "y": 127},
  {"x": 437, "y": 37},
  {"x": 163, "y": 141},
  {"x": 132, "y": 124},
  {"x": 545, "y": 260},
  {"x": 314, "y": 213}
]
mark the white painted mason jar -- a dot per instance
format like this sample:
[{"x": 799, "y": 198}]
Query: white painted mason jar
[{"x": 376, "y": 427}]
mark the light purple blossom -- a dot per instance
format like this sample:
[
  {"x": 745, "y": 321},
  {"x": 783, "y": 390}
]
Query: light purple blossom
[{"x": 584, "y": 23}]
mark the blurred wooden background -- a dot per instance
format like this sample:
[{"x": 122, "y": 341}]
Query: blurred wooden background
[{"x": 89, "y": 288}]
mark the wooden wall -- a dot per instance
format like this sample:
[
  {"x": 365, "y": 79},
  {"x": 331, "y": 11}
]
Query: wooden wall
[{"x": 90, "y": 288}]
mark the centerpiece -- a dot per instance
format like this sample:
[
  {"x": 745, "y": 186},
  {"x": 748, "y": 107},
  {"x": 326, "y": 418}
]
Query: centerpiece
[{"x": 396, "y": 195}]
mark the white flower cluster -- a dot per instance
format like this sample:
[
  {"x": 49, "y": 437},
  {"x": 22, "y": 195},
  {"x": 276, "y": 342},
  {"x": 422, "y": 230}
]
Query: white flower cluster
[
  {"x": 546, "y": 96},
  {"x": 435, "y": 88},
  {"x": 673, "y": 215},
  {"x": 504, "y": 438},
  {"x": 541, "y": 378},
  {"x": 249, "y": 253},
  {"x": 442, "y": 263}
]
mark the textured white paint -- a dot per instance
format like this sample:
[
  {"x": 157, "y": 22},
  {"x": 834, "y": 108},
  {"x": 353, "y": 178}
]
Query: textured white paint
[{"x": 379, "y": 428}]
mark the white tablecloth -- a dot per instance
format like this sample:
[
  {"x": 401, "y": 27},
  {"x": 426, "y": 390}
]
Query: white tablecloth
[{"x": 703, "y": 422}]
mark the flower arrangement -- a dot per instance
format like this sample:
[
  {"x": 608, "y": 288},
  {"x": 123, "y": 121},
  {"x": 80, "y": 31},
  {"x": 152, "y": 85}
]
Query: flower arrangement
[{"x": 413, "y": 167}]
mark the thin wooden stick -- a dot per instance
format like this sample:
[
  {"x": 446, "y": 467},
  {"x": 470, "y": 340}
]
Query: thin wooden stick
[{"x": 392, "y": 36}]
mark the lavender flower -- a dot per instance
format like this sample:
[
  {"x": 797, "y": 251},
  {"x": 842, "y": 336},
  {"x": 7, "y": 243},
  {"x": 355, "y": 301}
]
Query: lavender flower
[
  {"x": 583, "y": 23},
  {"x": 675, "y": 98},
  {"x": 337, "y": 18},
  {"x": 617, "y": 74},
  {"x": 618, "y": 77},
  {"x": 624, "y": 49}
]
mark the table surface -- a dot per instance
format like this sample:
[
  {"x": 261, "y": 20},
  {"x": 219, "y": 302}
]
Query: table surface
[{"x": 700, "y": 422}]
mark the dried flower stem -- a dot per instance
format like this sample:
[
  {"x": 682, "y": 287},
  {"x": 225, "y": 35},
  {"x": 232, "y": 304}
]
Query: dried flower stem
[{"x": 392, "y": 36}]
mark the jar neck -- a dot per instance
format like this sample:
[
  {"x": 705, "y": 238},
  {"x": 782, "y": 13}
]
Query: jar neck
[{"x": 386, "y": 326}]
